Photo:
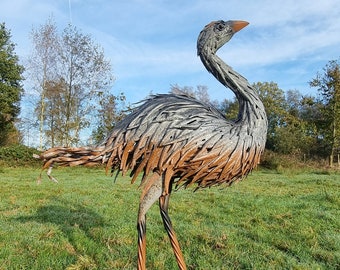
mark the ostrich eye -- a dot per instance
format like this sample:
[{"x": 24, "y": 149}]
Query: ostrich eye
[{"x": 220, "y": 26}]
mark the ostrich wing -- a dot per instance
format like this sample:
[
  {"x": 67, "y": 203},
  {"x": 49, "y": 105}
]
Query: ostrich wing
[{"x": 182, "y": 139}]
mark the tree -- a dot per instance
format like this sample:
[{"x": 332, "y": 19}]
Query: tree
[
  {"x": 328, "y": 85},
  {"x": 297, "y": 134},
  {"x": 273, "y": 99},
  {"x": 43, "y": 67},
  {"x": 87, "y": 75},
  {"x": 201, "y": 92},
  {"x": 230, "y": 108},
  {"x": 10, "y": 87},
  {"x": 109, "y": 114},
  {"x": 54, "y": 111},
  {"x": 310, "y": 113},
  {"x": 72, "y": 75},
  {"x": 178, "y": 90}
]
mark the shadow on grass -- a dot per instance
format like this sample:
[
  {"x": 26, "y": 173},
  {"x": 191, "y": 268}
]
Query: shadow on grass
[{"x": 70, "y": 217}]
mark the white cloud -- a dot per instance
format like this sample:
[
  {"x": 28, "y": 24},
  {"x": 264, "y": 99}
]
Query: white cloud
[{"x": 152, "y": 44}]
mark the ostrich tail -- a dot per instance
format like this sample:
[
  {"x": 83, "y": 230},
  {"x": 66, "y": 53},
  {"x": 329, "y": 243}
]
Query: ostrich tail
[{"x": 69, "y": 157}]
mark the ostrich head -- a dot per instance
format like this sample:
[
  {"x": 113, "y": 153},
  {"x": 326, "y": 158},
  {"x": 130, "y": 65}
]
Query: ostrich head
[{"x": 216, "y": 34}]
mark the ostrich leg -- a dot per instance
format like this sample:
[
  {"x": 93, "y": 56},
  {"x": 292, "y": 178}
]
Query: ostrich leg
[
  {"x": 163, "y": 205},
  {"x": 151, "y": 192}
]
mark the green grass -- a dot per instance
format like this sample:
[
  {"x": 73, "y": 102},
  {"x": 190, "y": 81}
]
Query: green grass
[{"x": 268, "y": 221}]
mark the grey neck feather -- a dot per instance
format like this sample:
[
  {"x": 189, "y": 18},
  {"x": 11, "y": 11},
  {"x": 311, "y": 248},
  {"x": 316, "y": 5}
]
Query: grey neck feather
[{"x": 251, "y": 108}]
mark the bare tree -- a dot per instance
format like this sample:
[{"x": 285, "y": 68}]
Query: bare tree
[
  {"x": 201, "y": 92},
  {"x": 42, "y": 66},
  {"x": 187, "y": 90}
]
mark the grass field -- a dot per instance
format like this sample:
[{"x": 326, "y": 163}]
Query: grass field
[{"x": 268, "y": 221}]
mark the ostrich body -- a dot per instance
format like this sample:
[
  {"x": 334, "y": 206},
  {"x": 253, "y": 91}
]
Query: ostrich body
[{"x": 176, "y": 140}]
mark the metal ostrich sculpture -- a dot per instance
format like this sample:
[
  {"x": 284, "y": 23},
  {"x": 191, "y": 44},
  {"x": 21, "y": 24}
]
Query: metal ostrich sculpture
[{"x": 178, "y": 141}]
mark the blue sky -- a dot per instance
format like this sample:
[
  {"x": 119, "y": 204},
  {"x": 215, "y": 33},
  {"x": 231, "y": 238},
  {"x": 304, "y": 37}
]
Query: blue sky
[{"x": 152, "y": 44}]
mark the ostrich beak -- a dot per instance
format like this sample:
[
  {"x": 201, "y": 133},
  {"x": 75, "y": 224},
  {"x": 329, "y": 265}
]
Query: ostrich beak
[{"x": 238, "y": 25}]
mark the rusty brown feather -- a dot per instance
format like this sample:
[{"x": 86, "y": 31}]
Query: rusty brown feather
[{"x": 178, "y": 141}]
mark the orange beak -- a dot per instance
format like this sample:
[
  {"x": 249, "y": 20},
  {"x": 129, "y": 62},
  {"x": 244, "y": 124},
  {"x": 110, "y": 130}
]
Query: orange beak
[{"x": 238, "y": 25}]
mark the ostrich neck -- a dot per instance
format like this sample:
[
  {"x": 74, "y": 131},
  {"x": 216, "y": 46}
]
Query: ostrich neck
[{"x": 251, "y": 109}]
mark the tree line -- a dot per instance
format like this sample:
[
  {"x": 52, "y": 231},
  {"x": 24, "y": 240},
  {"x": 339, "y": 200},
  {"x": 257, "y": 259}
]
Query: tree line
[
  {"x": 70, "y": 91},
  {"x": 303, "y": 125}
]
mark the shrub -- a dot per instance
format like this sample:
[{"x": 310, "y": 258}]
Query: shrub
[
  {"x": 18, "y": 155},
  {"x": 292, "y": 163}
]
